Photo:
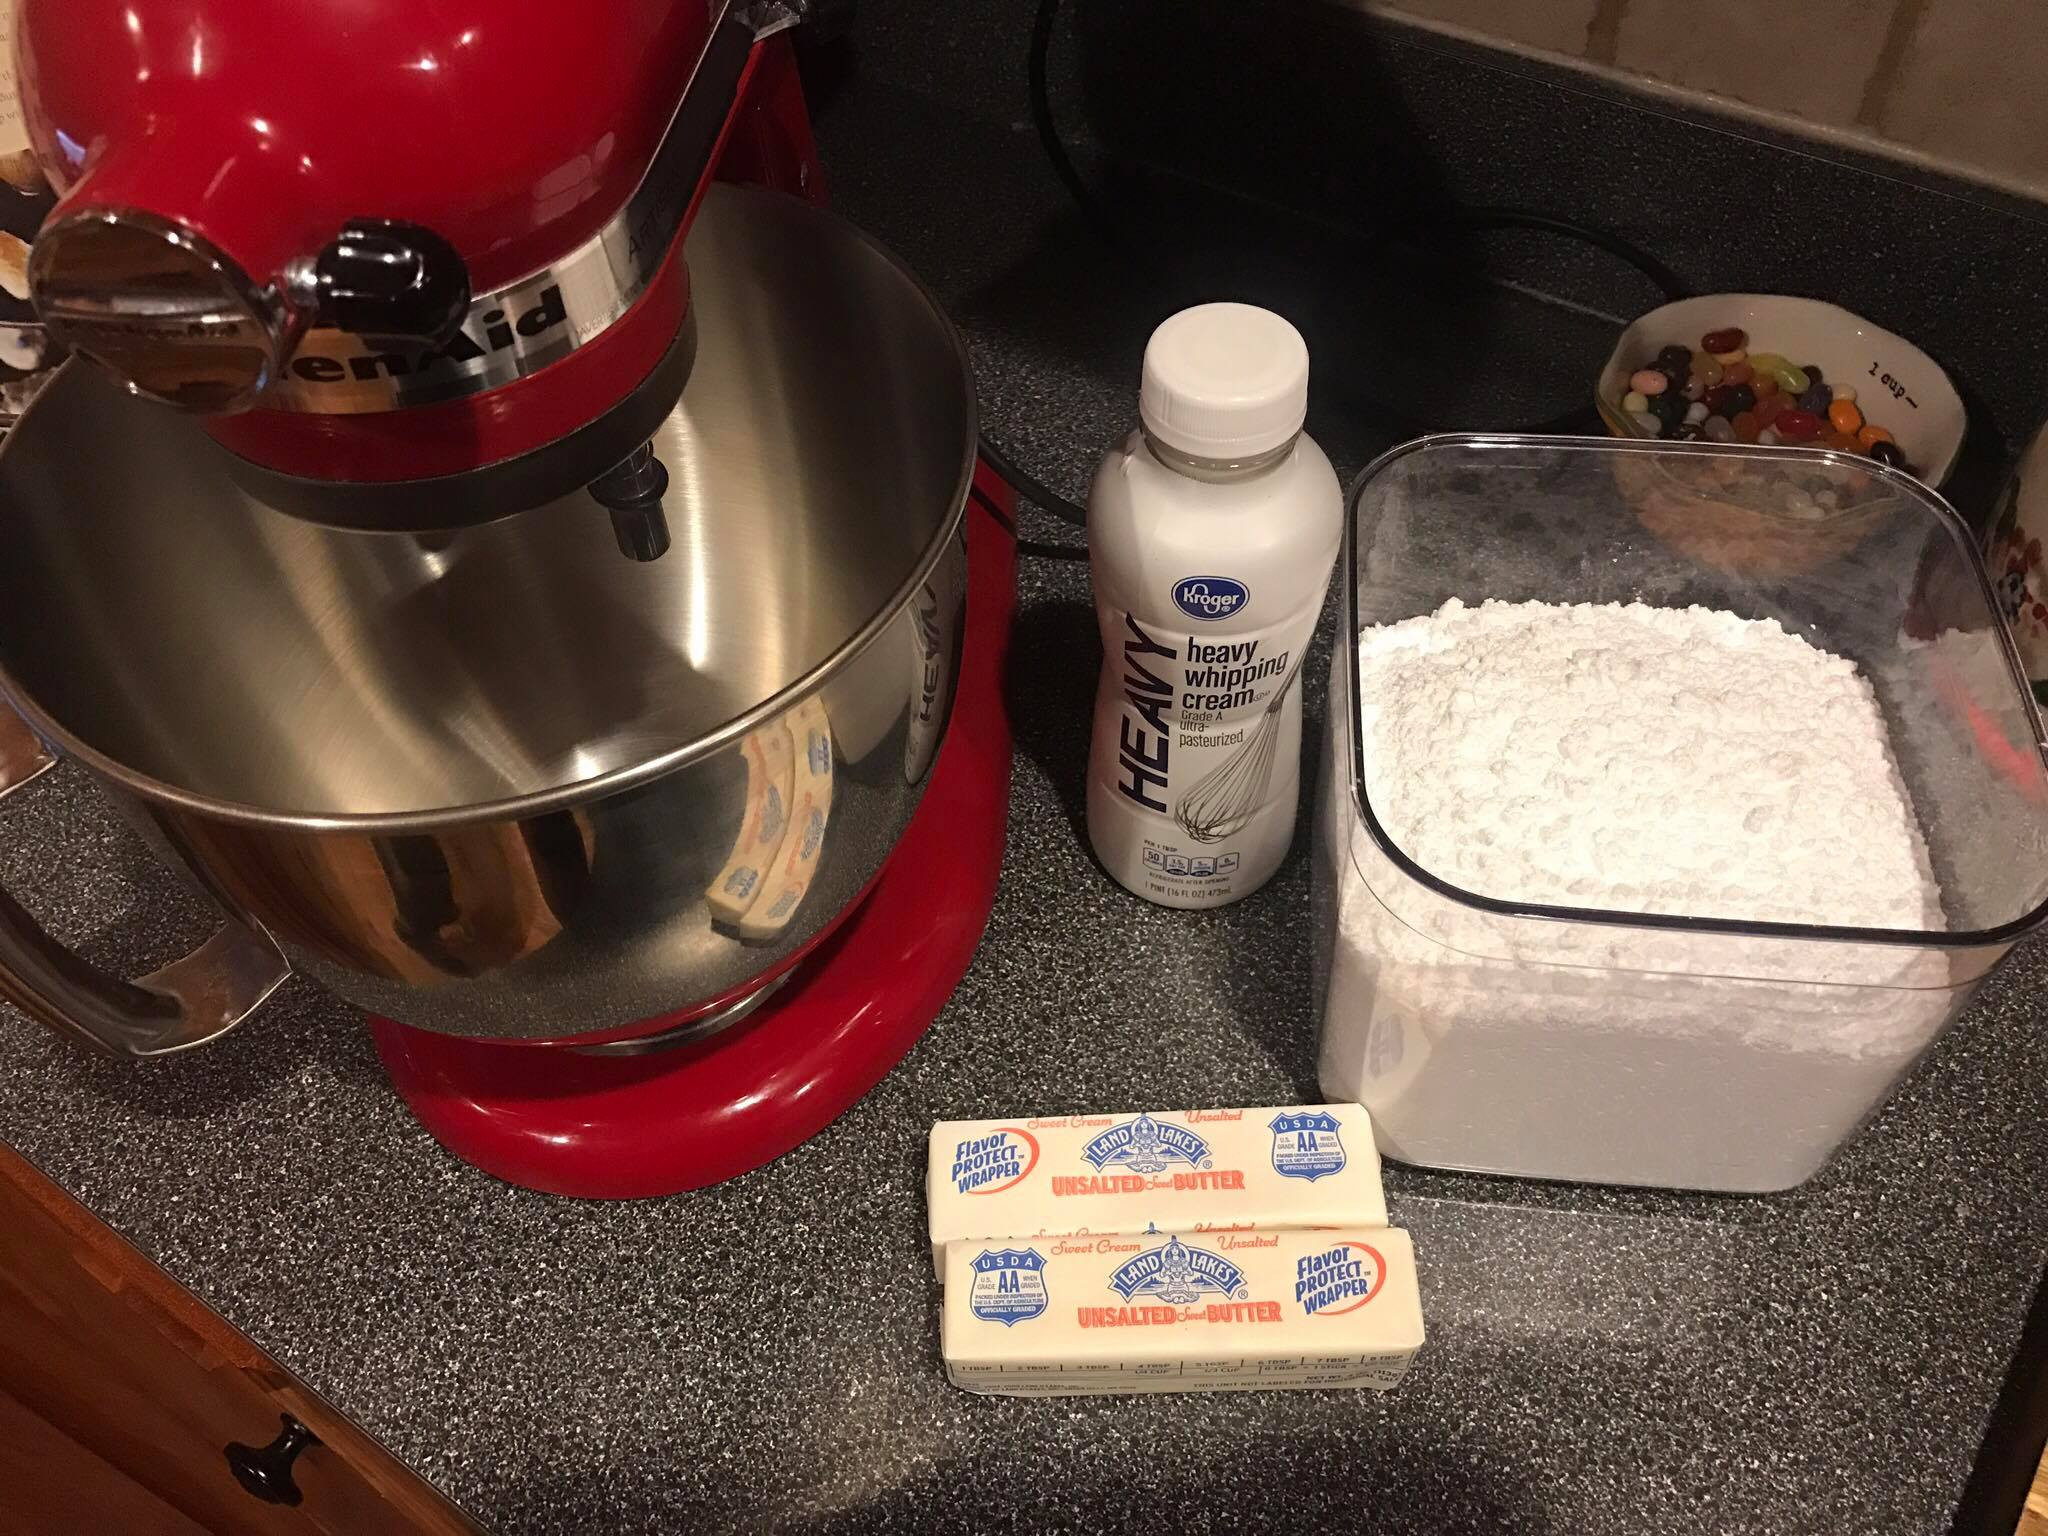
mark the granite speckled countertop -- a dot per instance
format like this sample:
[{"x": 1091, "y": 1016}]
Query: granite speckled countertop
[{"x": 764, "y": 1354}]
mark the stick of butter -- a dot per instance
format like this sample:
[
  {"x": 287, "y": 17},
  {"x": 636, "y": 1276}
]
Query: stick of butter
[
  {"x": 768, "y": 755},
  {"x": 1193, "y": 1312},
  {"x": 795, "y": 860},
  {"x": 1196, "y": 1170}
]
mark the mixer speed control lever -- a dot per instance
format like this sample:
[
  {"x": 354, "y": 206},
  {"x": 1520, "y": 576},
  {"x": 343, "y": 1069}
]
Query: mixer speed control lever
[{"x": 399, "y": 286}]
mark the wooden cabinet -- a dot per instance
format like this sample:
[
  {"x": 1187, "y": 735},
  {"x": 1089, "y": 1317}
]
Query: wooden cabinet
[{"x": 120, "y": 1392}]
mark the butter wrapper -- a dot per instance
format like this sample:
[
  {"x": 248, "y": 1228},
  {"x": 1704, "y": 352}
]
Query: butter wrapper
[
  {"x": 1181, "y": 1312},
  {"x": 1196, "y": 1170}
]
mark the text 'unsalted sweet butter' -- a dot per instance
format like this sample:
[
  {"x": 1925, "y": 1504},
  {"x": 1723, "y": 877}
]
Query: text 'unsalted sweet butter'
[
  {"x": 1311, "y": 1165},
  {"x": 1181, "y": 1312}
]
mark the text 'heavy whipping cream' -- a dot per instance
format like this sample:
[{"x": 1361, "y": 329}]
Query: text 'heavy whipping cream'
[{"x": 1212, "y": 531}]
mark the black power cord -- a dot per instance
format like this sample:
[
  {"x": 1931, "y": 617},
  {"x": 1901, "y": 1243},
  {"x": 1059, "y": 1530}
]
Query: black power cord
[
  {"x": 1098, "y": 218},
  {"x": 1671, "y": 284},
  {"x": 1025, "y": 546},
  {"x": 1035, "y": 491},
  {"x": 1030, "y": 488},
  {"x": 1422, "y": 232},
  {"x": 1049, "y": 140}
]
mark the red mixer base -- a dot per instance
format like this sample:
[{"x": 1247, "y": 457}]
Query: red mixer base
[{"x": 618, "y": 1127}]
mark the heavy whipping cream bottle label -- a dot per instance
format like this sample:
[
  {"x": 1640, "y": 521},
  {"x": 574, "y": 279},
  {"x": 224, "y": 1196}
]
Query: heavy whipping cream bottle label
[
  {"x": 1194, "y": 771},
  {"x": 1212, "y": 533}
]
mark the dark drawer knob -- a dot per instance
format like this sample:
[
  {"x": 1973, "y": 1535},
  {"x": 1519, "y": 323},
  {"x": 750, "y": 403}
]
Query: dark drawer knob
[{"x": 266, "y": 1471}]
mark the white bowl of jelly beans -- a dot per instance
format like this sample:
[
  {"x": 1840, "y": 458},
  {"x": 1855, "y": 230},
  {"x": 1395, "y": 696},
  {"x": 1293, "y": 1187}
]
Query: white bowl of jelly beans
[{"x": 1768, "y": 368}]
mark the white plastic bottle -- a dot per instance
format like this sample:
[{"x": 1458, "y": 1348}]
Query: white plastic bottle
[{"x": 1212, "y": 532}]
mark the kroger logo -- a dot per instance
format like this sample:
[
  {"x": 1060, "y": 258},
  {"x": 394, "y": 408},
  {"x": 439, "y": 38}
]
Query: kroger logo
[{"x": 1210, "y": 597}]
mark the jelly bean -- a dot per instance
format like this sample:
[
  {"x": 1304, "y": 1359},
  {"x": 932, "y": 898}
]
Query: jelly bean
[
  {"x": 1790, "y": 379},
  {"x": 1728, "y": 339},
  {"x": 1844, "y": 392},
  {"x": 1797, "y": 426},
  {"x": 1745, "y": 426},
  {"x": 1811, "y": 370},
  {"x": 1841, "y": 442},
  {"x": 1718, "y": 429},
  {"x": 1695, "y": 387},
  {"x": 1635, "y": 400},
  {"x": 1648, "y": 381},
  {"x": 1708, "y": 367},
  {"x": 1885, "y": 451},
  {"x": 1696, "y": 413},
  {"x": 1744, "y": 399},
  {"x": 1771, "y": 407},
  {"x": 1844, "y": 415},
  {"x": 1647, "y": 424},
  {"x": 1730, "y": 359},
  {"x": 1764, "y": 385},
  {"x": 1768, "y": 438},
  {"x": 1673, "y": 357},
  {"x": 1816, "y": 399},
  {"x": 1737, "y": 373},
  {"x": 1870, "y": 432}
]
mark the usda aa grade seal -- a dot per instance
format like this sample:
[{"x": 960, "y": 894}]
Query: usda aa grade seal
[
  {"x": 1009, "y": 1285},
  {"x": 1306, "y": 1145}
]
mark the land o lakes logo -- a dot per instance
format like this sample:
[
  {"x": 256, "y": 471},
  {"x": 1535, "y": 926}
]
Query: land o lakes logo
[
  {"x": 1306, "y": 1144},
  {"x": 1341, "y": 1278},
  {"x": 1178, "y": 1275},
  {"x": 1145, "y": 1145},
  {"x": 984, "y": 1165},
  {"x": 1009, "y": 1285}
]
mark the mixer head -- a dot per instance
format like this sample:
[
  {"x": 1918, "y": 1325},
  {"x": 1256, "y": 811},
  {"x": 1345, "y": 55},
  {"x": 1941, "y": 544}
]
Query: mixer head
[{"x": 417, "y": 267}]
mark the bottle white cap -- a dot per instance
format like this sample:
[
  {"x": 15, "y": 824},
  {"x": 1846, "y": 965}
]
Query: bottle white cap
[{"x": 1224, "y": 381}]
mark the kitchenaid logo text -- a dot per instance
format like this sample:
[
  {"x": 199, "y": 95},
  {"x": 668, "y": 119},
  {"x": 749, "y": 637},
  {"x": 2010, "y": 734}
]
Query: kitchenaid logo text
[
  {"x": 1144, "y": 742},
  {"x": 500, "y": 330}
]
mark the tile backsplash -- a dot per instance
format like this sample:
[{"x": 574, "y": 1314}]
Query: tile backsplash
[{"x": 1954, "y": 85}]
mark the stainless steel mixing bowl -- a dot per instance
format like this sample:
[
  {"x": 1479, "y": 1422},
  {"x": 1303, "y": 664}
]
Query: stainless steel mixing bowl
[{"x": 490, "y": 782}]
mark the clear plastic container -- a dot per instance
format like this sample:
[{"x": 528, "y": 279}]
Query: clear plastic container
[{"x": 1669, "y": 1048}]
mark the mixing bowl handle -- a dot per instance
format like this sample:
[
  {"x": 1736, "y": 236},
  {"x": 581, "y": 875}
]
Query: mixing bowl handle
[{"x": 186, "y": 1003}]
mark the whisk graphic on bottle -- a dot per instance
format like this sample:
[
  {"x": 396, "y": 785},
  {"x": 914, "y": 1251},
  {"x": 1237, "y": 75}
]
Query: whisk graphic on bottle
[{"x": 1223, "y": 801}]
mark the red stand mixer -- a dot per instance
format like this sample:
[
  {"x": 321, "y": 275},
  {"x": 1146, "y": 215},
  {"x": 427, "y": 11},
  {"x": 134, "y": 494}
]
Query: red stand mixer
[{"x": 510, "y": 547}]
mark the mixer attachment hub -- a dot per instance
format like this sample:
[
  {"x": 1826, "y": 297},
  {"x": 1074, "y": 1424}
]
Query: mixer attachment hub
[{"x": 631, "y": 490}]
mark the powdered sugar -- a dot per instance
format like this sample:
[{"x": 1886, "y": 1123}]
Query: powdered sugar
[
  {"x": 1639, "y": 759},
  {"x": 1623, "y": 759}
]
